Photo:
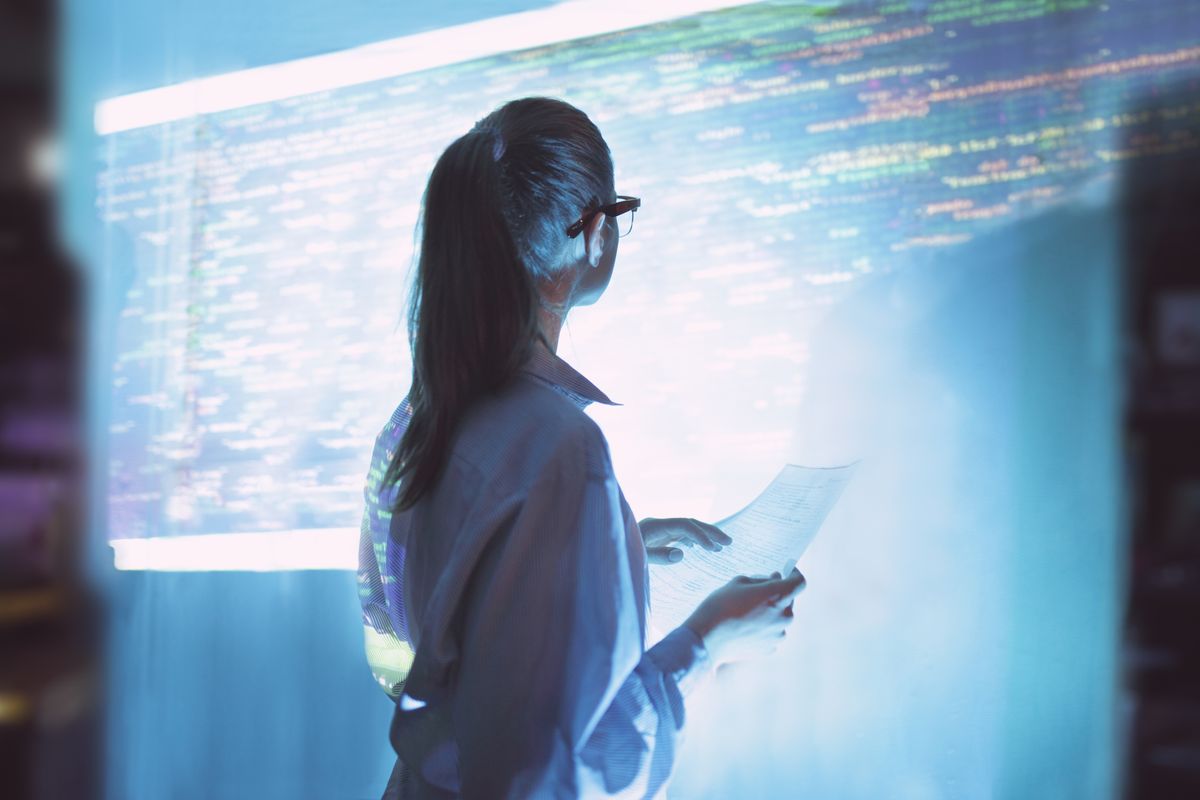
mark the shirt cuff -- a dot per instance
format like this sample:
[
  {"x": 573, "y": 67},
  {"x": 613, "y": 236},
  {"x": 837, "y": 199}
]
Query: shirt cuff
[{"x": 682, "y": 655}]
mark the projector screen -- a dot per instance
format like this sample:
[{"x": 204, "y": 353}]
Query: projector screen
[{"x": 790, "y": 158}]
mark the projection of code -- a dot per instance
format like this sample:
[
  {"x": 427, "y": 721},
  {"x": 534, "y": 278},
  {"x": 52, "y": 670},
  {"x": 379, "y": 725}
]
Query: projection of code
[{"x": 784, "y": 155}]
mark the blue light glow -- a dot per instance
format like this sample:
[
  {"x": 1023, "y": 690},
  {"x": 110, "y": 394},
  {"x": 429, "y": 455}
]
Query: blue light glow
[{"x": 882, "y": 232}]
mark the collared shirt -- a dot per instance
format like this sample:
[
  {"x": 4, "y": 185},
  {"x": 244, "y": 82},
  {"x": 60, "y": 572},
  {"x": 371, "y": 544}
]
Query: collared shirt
[{"x": 506, "y": 611}]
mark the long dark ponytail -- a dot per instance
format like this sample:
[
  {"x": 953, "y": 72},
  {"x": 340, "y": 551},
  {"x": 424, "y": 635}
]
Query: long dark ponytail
[{"x": 495, "y": 212}]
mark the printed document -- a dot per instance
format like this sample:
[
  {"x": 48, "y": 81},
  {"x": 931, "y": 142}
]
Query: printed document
[{"x": 769, "y": 535}]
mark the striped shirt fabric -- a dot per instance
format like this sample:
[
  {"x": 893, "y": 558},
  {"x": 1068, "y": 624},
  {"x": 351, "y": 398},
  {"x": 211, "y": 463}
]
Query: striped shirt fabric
[{"x": 505, "y": 613}]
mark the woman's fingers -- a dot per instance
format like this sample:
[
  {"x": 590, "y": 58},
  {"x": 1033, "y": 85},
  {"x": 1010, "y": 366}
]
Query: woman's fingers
[
  {"x": 786, "y": 589},
  {"x": 699, "y": 532},
  {"x": 793, "y": 584},
  {"x": 664, "y": 555},
  {"x": 715, "y": 534},
  {"x": 685, "y": 532}
]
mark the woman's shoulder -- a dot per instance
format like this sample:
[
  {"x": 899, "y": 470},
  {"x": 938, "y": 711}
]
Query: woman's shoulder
[{"x": 530, "y": 424}]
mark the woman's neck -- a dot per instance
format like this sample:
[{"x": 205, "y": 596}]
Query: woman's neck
[{"x": 551, "y": 324}]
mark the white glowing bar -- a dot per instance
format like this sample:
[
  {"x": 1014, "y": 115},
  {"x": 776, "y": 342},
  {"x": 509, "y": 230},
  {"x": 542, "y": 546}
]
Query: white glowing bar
[
  {"x": 575, "y": 19},
  {"x": 326, "y": 548}
]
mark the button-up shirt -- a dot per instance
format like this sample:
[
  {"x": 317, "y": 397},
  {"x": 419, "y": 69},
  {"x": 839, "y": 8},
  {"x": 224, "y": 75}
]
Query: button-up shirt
[{"x": 505, "y": 612}]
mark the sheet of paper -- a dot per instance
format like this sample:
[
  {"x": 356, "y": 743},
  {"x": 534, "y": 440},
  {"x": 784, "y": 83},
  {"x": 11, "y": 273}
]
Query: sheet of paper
[{"x": 769, "y": 535}]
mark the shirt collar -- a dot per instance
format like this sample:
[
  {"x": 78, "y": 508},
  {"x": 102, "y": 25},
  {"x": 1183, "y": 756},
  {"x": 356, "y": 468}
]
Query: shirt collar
[{"x": 551, "y": 370}]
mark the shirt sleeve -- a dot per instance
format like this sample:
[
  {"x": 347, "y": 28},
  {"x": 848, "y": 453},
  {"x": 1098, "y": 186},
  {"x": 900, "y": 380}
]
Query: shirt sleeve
[
  {"x": 555, "y": 695},
  {"x": 385, "y": 633}
]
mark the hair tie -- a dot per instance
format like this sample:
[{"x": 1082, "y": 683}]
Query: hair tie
[{"x": 498, "y": 146}]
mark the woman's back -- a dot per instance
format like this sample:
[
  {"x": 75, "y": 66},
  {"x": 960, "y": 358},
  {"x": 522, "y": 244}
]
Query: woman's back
[
  {"x": 511, "y": 564},
  {"x": 524, "y": 593},
  {"x": 516, "y": 453}
]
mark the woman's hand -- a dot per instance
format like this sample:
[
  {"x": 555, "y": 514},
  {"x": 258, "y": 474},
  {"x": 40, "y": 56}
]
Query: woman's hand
[
  {"x": 747, "y": 616},
  {"x": 660, "y": 534}
]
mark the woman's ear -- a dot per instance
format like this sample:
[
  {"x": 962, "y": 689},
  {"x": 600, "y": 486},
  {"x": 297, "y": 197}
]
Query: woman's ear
[{"x": 595, "y": 239}]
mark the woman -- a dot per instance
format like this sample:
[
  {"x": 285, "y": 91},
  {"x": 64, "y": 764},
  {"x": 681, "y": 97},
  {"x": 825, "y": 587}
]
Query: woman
[{"x": 504, "y": 595}]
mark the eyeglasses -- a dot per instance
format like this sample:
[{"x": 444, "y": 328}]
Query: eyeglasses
[{"x": 615, "y": 210}]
